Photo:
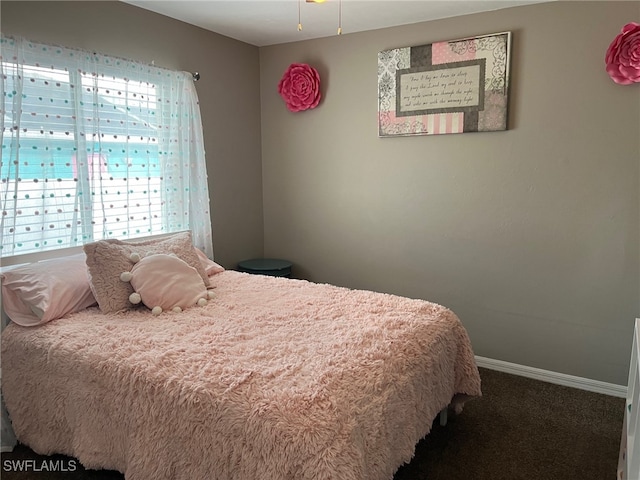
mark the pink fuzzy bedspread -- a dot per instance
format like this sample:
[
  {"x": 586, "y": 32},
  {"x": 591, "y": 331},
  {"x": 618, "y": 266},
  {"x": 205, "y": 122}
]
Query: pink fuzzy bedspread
[{"x": 273, "y": 379}]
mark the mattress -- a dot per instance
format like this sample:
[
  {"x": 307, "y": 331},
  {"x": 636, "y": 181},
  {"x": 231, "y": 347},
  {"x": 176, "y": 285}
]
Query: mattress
[{"x": 274, "y": 378}]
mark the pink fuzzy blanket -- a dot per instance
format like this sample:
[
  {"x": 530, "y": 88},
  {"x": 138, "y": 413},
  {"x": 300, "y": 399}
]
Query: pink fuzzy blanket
[{"x": 273, "y": 379}]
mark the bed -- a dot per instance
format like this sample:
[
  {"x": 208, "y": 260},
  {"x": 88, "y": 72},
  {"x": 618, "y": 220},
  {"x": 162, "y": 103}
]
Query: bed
[{"x": 274, "y": 378}]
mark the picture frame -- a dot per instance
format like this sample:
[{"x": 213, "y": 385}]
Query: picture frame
[{"x": 455, "y": 86}]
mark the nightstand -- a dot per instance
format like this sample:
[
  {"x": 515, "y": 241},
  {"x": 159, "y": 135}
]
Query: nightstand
[{"x": 266, "y": 266}]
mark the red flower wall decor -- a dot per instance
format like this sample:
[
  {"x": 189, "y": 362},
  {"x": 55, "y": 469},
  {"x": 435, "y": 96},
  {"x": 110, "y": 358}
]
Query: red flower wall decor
[
  {"x": 300, "y": 87},
  {"x": 623, "y": 55}
]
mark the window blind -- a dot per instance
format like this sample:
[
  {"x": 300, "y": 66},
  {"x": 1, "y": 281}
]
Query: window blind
[{"x": 97, "y": 147}]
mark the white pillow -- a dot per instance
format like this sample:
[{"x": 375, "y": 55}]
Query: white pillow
[{"x": 39, "y": 292}]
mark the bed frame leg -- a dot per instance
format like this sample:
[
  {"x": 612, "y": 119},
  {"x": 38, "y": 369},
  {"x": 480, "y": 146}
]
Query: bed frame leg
[{"x": 443, "y": 416}]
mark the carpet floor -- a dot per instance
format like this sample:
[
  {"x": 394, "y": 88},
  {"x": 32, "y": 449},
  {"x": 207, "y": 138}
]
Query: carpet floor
[{"x": 521, "y": 429}]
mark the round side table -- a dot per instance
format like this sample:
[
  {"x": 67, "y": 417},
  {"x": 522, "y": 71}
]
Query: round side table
[{"x": 266, "y": 266}]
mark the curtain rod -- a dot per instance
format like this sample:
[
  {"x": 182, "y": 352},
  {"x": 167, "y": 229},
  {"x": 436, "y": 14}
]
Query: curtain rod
[{"x": 195, "y": 75}]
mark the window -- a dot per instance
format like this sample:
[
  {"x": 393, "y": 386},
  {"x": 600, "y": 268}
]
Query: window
[{"x": 97, "y": 147}]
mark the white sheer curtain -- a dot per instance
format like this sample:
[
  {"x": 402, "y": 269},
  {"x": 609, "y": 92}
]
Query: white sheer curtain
[{"x": 97, "y": 147}]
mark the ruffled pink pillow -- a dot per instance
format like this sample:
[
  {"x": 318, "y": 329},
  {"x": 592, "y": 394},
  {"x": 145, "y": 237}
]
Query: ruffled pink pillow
[
  {"x": 210, "y": 267},
  {"x": 107, "y": 259}
]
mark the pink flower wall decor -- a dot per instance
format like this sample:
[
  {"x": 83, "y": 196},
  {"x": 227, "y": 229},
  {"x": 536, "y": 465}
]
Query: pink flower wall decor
[
  {"x": 300, "y": 87},
  {"x": 623, "y": 55}
]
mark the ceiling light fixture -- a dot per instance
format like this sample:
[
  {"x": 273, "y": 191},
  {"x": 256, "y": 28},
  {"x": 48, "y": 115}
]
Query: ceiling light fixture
[{"x": 320, "y": 1}]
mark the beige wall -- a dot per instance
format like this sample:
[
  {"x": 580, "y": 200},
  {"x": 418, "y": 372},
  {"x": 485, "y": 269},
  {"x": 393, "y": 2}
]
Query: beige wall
[
  {"x": 228, "y": 91},
  {"x": 529, "y": 235}
]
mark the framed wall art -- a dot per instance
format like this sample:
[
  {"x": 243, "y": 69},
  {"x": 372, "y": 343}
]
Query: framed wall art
[{"x": 455, "y": 86}]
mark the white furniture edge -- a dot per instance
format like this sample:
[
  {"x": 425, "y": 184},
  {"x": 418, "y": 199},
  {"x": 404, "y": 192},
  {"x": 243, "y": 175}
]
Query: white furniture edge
[
  {"x": 553, "y": 377},
  {"x": 629, "y": 456}
]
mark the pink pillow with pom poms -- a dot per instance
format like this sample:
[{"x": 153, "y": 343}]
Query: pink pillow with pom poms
[{"x": 167, "y": 282}]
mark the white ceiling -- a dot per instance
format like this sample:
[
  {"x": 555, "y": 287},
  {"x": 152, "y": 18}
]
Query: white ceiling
[{"x": 269, "y": 22}]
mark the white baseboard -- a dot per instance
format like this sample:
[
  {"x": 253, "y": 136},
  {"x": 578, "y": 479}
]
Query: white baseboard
[{"x": 554, "y": 377}]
